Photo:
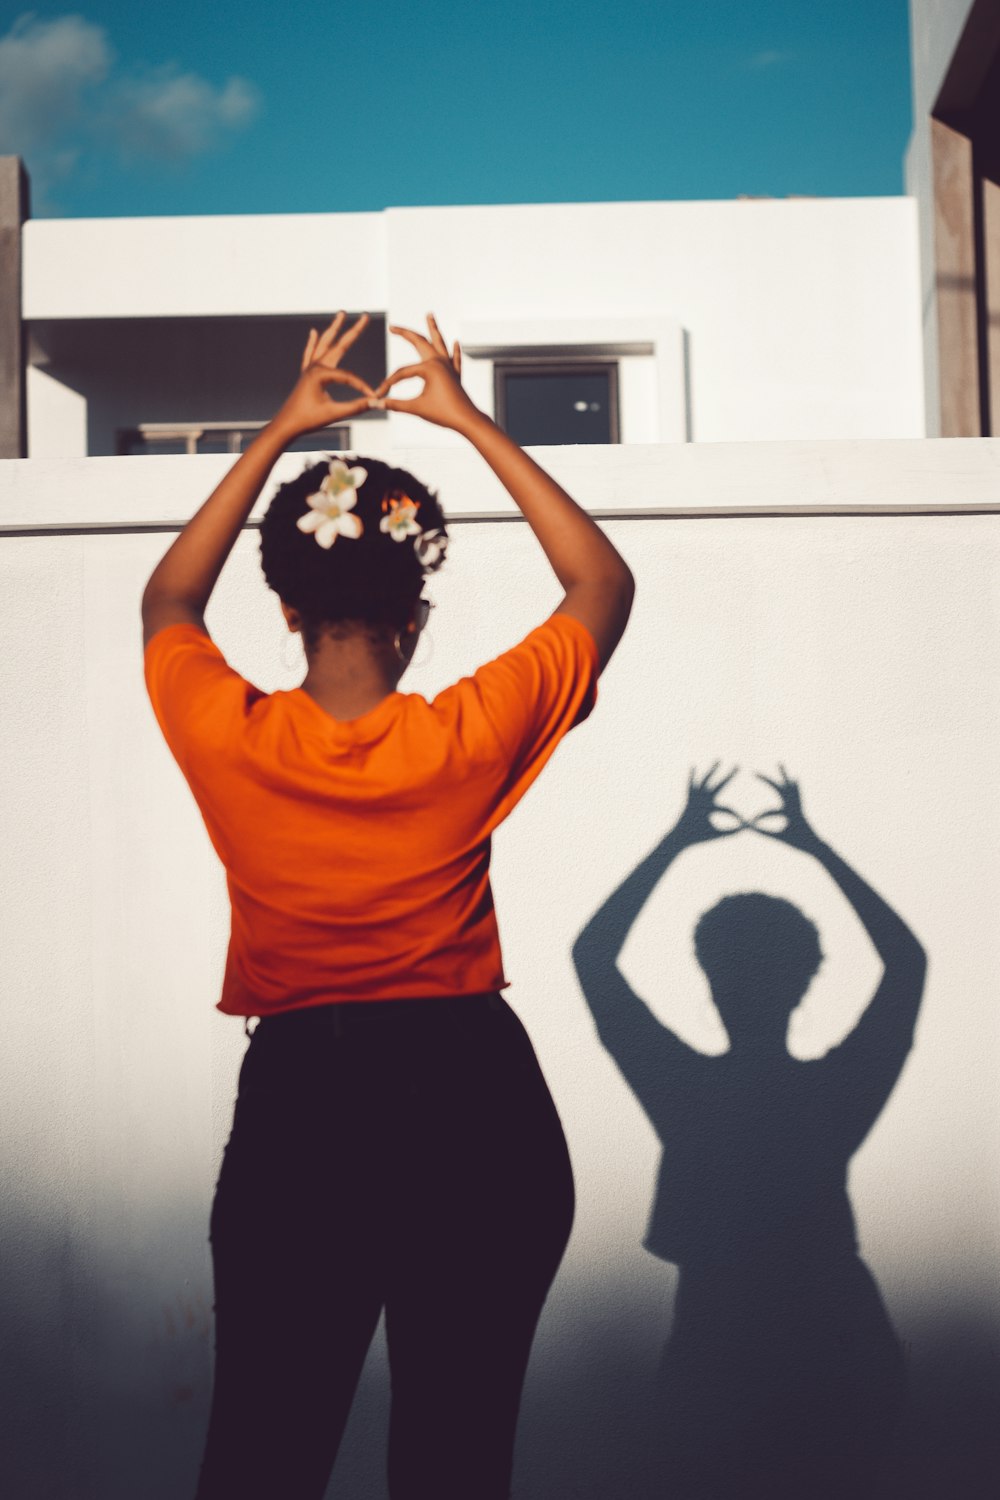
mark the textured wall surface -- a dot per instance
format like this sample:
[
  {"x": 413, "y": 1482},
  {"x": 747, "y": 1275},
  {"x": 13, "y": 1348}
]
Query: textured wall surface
[{"x": 860, "y": 650}]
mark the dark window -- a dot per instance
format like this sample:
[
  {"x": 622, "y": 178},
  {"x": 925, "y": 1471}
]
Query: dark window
[
  {"x": 207, "y": 373},
  {"x": 568, "y": 402}
]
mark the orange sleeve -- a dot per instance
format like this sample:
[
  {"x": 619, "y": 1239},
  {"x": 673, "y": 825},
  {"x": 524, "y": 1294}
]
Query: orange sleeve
[
  {"x": 197, "y": 697},
  {"x": 533, "y": 695}
]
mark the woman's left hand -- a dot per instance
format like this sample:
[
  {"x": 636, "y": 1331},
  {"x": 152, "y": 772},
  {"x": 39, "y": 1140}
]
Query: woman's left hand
[
  {"x": 797, "y": 830},
  {"x": 308, "y": 405},
  {"x": 695, "y": 826}
]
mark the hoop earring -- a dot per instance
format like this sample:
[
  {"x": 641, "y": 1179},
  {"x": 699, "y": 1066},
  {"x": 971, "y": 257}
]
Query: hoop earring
[{"x": 399, "y": 653}]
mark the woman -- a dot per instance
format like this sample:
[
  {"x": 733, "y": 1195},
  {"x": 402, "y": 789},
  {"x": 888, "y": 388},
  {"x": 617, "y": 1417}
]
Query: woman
[{"x": 394, "y": 1143}]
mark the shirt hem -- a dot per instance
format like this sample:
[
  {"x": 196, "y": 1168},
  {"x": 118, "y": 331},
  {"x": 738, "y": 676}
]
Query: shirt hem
[{"x": 316, "y": 1002}]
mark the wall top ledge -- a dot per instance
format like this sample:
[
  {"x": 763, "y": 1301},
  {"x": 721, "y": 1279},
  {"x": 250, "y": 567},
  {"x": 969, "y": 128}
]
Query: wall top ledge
[{"x": 893, "y": 476}]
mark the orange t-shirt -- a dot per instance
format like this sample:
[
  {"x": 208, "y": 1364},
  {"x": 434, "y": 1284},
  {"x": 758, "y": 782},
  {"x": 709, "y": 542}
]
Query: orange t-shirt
[{"x": 357, "y": 852}]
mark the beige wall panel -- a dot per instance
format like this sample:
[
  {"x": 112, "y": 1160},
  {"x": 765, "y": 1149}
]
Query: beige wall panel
[{"x": 862, "y": 651}]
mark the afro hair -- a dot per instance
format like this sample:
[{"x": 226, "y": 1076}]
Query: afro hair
[
  {"x": 748, "y": 934},
  {"x": 374, "y": 579}
]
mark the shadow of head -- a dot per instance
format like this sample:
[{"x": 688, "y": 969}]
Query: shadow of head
[{"x": 759, "y": 954}]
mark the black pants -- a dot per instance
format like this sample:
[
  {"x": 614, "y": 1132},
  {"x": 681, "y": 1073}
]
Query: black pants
[{"x": 399, "y": 1154}]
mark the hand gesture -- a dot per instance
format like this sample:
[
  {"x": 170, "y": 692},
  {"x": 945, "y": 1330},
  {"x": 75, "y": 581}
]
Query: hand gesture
[
  {"x": 308, "y": 406},
  {"x": 797, "y": 831},
  {"x": 442, "y": 400},
  {"x": 695, "y": 826}
]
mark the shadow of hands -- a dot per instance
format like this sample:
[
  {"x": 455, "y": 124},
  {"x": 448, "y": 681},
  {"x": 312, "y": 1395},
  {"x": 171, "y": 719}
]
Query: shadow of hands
[{"x": 705, "y": 818}]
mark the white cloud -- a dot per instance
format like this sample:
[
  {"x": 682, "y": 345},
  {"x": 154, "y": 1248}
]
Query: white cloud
[
  {"x": 47, "y": 69},
  {"x": 168, "y": 116},
  {"x": 63, "y": 98}
]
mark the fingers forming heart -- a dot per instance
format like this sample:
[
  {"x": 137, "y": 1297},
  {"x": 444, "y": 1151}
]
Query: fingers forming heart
[{"x": 334, "y": 375}]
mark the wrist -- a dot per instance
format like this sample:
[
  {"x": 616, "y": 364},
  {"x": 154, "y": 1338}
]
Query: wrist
[
  {"x": 680, "y": 836},
  {"x": 476, "y": 425},
  {"x": 810, "y": 843},
  {"x": 279, "y": 432}
]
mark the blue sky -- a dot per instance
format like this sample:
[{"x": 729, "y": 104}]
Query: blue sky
[{"x": 189, "y": 108}]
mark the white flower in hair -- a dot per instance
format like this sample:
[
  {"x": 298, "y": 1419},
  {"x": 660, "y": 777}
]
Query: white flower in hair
[
  {"x": 430, "y": 548},
  {"x": 331, "y": 506},
  {"x": 400, "y": 519}
]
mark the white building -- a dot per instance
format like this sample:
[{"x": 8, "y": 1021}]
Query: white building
[
  {"x": 591, "y": 322},
  {"x": 603, "y": 322}
]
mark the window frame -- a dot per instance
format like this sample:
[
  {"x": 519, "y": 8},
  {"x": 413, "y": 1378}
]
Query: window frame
[
  {"x": 190, "y": 434},
  {"x": 549, "y": 364}
]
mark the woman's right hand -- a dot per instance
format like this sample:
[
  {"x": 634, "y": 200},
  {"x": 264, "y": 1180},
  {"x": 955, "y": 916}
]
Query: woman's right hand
[
  {"x": 442, "y": 400},
  {"x": 797, "y": 830}
]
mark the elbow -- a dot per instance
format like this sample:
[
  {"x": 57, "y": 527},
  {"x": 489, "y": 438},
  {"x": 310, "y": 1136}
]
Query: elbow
[
  {"x": 919, "y": 962},
  {"x": 915, "y": 953},
  {"x": 587, "y": 954},
  {"x": 908, "y": 958},
  {"x": 615, "y": 594},
  {"x": 593, "y": 961},
  {"x": 613, "y": 577},
  {"x": 623, "y": 582}
]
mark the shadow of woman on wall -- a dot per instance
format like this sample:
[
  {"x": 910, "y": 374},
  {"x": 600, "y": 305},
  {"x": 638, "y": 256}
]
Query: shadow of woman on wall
[{"x": 782, "y": 1376}]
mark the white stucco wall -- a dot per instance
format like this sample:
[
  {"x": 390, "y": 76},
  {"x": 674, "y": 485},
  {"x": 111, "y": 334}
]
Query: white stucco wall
[
  {"x": 57, "y": 416},
  {"x": 860, "y": 649},
  {"x": 802, "y": 316},
  {"x": 183, "y": 267},
  {"x": 770, "y": 320}
]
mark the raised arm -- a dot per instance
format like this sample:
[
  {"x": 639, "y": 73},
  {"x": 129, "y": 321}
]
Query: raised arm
[
  {"x": 640, "y": 1044},
  {"x": 894, "y": 943},
  {"x": 598, "y": 584},
  {"x": 876, "y": 1049},
  {"x": 180, "y": 585}
]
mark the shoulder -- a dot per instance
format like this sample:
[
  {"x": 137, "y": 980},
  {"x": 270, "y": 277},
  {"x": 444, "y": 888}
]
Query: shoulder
[
  {"x": 161, "y": 636},
  {"x": 564, "y": 633},
  {"x": 159, "y": 614},
  {"x": 180, "y": 654},
  {"x": 519, "y": 705},
  {"x": 557, "y": 650},
  {"x": 197, "y": 697}
]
